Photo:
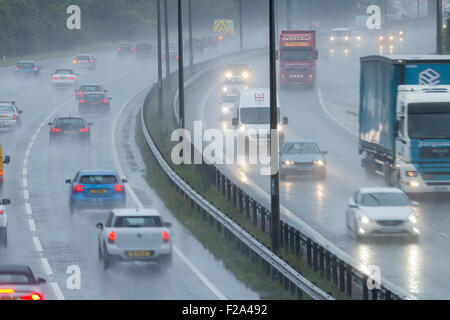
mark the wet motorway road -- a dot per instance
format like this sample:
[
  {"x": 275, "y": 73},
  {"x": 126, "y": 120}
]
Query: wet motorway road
[
  {"x": 43, "y": 234},
  {"x": 419, "y": 268}
]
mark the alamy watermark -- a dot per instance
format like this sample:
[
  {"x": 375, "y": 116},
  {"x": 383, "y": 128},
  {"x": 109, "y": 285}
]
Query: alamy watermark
[{"x": 74, "y": 20}]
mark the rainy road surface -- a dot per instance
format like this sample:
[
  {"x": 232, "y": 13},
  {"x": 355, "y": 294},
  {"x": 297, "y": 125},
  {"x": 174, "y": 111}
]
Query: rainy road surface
[
  {"x": 419, "y": 268},
  {"x": 41, "y": 231}
]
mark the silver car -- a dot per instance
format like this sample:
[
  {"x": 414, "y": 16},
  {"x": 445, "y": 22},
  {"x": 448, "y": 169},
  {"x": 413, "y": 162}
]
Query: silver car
[
  {"x": 17, "y": 282},
  {"x": 302, "y": 158},
  {"x": 85, "y": 61},
  {"x": 134, "y": 235},
  {"x": 10, "y": 115}
]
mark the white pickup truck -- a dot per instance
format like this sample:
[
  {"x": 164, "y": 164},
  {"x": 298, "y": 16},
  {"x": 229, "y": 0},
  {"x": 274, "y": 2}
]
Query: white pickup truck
[{"x": 134, "y": 235}]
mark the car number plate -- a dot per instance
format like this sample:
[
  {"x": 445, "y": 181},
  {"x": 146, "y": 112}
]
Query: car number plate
[
  {"x": 4, "y": 116},
  {"x": 98, "y": 191},
  {"x": 139, "y": 254},
  {"x": 9, "y": 298},
  {"x": 70, "y": 132}
]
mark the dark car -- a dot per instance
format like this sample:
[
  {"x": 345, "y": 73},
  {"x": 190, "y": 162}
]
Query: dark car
[
  {"x": 27, "y": 68},
  {"x": 94, "y": 102},
  {"x": 125, "y": 49},
  {"x": 17, "y": 282},
  {"x": 88, "y": 88},
  {"x": 209, "y": 41},
  {"x": 144, "y": 50},
  {"x": 302, "y": 158},
  {"x": 70, "y": 129}
]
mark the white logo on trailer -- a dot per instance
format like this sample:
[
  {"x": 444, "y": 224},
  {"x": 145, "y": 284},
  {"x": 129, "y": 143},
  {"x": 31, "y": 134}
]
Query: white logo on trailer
[{"x": 429, "y": 77}]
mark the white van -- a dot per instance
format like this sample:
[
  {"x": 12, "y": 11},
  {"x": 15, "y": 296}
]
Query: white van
[{"x": 252, "y": 116}]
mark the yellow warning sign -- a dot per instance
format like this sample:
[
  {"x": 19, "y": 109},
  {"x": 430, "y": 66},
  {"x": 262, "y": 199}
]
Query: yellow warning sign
[{"x": 224, "y": 26}]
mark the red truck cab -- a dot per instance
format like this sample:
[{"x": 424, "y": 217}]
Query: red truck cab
[{"x": 297, "y": 56}]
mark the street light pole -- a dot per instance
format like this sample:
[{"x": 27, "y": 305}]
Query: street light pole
[
  {"x": 288, "y": 14},
  {"x": 275, "y": 175},
  {"x": 180, "y": 65},
  {"x": 241, "y": 31},
  {"x": 191, "y": 49},
  {"x": 166, "y": 28},
  {"x": 439, "y": 27},
  {"x": 160, "y": 93}
]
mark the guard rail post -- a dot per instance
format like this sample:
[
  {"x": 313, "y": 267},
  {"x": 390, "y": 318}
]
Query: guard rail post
[
  {"x": 335, "y": 270},
  {"x": 341, "y": 276},
  {"x": 349, "y": 280},
  {"x": 222, "y": 180},
  {"x": 315, "y": 258},
  {"x": 228, "y": 189},
  {"x": 328, "y": 265},
  {"x": 234, "y": 195},
  {"x": 263, "y": 219},
  {"x": 241, "y": 201},
  {"x": 297, "y": 243},
  {"x": 247, "y": 206},
  {"x": 292, "y": 240},
  {"x": 255, "y": 213},
  {"x": 308, "y": 252},
  {"x": 282, "y": 234},
  {"x": 374, "y": 294},
  {"x": 286, "y": 237},
  {"x": 365, "y": 288},
  {"x": 321, "y": 261}
]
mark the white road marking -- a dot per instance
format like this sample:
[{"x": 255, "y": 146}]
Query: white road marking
[
  {"x": 177, "y": 251},
  {"x": 47, "y": 268},
  {"x": 57, "y": 291},
  {"x": 37, "y": 244},
  {"x": 28, "y": 208},
  {"x": 32, "y": 225},
  {"x": 26, "y": 195},
  {"x": 25, "y": 162},
  {"x": 24, "y": 171},
  {"x": 24, "y": 182}
]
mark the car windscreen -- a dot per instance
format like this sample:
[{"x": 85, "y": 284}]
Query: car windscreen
[
  {"x": 236, "y": 80},
  {"x": 98, "y": 179},
  {"x": 256, "y": 115},
  {"x": 69, "y": 123},
  {"x": 126, "y": 46},
  {"x": 84, "y": 58},
  {"x": 6, "y": 109},
  {"x": 137, "y": 222},
  {"x": 25, "y": 65},
  {"x": 63, "y": 71},
  {"x": 384, "y": 199},
  {"x": 296, "y": 53},
  {"x": 429, "y": 120},
  {"x": 15, "y": 278},
  {"x": 301, "y": 148},
  {"x": 91, "y": 88},
  {"x": 341, "y": 33},
  {"x": 94, "y": 97},
  {"x": 229, "y": 99}
]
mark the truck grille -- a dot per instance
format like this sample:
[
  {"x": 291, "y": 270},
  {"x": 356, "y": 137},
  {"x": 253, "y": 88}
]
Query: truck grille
[
  {"x": 433, "y": 153},
  {"x": 389, "y": 223},
  {"x": 303, "y": 164},
  {"x": 296, "y": 70}
]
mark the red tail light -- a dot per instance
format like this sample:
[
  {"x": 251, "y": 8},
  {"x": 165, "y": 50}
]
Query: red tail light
[
  {"x": 78, "y": 188},
  {"x": 90, "y": 61},
  {"x": 75, "y": 61},
  {"x": 33, "y": 296},
  {"x": 1, "y": 212},
  {"x": 165, "y": 236},
  {"x": 105, "y": 101},
  {"x": 80, "y": 93},
  {"x": 82, "y": 101},
  {"x": 177, "y": 57},
  {"x": 17, "y": 68},
  {"x": 71, "y": 78},
  {"x": 119, "y": 49},
  {"x": 56, "y": 130},
  {"x": 83, "y": 130},
  {"x": 14, "y": 117},
  {"x": 112, "y": 237},
  {"x": 118, "y": 188},
  {"x": 35, "y": 69},
  {"x": 153, "y": 50},
  {"x": 133, "y": 49},
  {"x": 54, "y": 78},
  {"x": 1, "y": 173}
]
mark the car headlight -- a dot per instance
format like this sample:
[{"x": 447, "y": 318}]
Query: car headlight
[
  {"x": 413, "y": 219},
  {"x": 319, "y": 163},
  {"x": 346, "y": 38},
  {"x": 280, "y": 127},
  {"x": 228, "y": 74},
  {"x": 413, "y": 184},
  {"x": 225, "y": 110},
  {"x": 364, "y": 220},
  {"x": 242, "y": 128},
  {"x": 332, "y": 38},
  {"x": 225, "y": 89},
  {"x": 358, "y": 38},
  {"x": 245, "y": 75},
  {"x": 381, "y": 38},
  {"x": 411, "y": 173},
  {"x": 288, "y": 162},
  {"x": 401, "y": 33},
  {"x": 391, "y": 37}
]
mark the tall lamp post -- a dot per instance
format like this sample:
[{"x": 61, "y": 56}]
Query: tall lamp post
[
  {"x": 439, "y": 27},
  {"x": 275, "y": 175},
  {"x": 160, "y": 94},
  {"x": 166, "y": 28},
  {"x": 180, "y": 65}
]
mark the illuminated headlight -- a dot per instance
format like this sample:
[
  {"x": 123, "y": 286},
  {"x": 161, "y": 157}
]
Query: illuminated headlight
[
  {"x": 346, "y": 38},
  {"x": 332, "y": 38},
  {"x": 416, "y": 230},
  {"x": 411, "y": 173},
  {"x": 228, "y": 74},
  {"x": 319, "y": 163},
  {"x": 225, "y": 89},
  {"x": 225, "y": 110},
  {"x": 412, "y": 219},
  {"x": 414, "y": 184},
  {"x": 364, "y": 220},
  {"x": 288, "y": 162},
  {"x": 246, "y": 87},
  {"x": 381, "y": 38},
  {"x": 401, "y": 33},
  {"x": 310, "y": 75},
  {"x": 358, "y": 38},
  {"x": 245, "y": 75},
  {"x": 401, "y": 39},
  {"x": 361, "y": 230},
  {"x": 280, "y": 127},
  {"x": 242, "y": 128}
]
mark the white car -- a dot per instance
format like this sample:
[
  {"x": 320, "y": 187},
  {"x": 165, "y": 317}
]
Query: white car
[
  {"x": 85, "y": 61},
  {"x": 65, "y": 78},
  {"x": 381, "y": 211},
  {"x": 134, "y": 235},
  {"x": 4, "y": 223},
  {"x": 227, "y": 106},
  {"x": 233, "y": 85}
]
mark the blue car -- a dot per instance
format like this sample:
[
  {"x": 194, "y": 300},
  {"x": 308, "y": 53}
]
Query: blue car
[
  {"x": 27, "y": 68},
  {"x": 96, "y": 189}
]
